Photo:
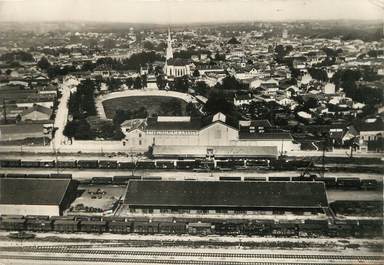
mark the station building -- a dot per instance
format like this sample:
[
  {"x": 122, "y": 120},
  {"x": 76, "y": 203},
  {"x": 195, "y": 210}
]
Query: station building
[
  {"x": 24, "y": 196},
  {"x": 185, "y": 135},
  {"x": 225, "y": 197}
]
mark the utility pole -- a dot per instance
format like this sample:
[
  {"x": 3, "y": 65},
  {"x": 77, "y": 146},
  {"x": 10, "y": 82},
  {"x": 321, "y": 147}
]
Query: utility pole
[{"x": 5, "y": 111}]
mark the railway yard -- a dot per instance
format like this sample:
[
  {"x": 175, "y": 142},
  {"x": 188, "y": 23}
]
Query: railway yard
[
  {"x": 97, "y": 228},
  {"x": 134, "y": 249}
]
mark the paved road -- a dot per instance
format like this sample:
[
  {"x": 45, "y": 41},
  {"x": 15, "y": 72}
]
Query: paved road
[{"x": 62, "y": 112}]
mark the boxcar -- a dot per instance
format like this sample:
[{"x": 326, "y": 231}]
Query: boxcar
[
  {"x": 93, "y": 226},
  {"x": 348, "y": 183},
  {"x": 230, "y": 178},
  {"x": 39, "y": 176},
  {"x": 254, "y": 179},
  {"x": 279, "y": 178},
  {"x": 126, "y": 165},
  {"x": 200, "y": 228},
  {"x": 370, "y": 227},
  {"x": 107, "y": 164},
  {"x": 152, "y": 178},
  {"x": 67, "y": 226},
  {"x": 16, "y": 175},
  {"x": 87, "y": 164},
  {"x": 172, "y": 228},
  {"x": 187, "y": 164},
  {"x": 145, "y": 227},
  {"x": 101, "y": 180},
  {"x": 17, "y": 224},
  {"x": 39, "y": 225},
  {"x": 224, "y": 164},
  {"x": 165, "y": 164},
  {"x": 329, "y": 182},
  {"x": 47, "y": 163},
  {"x": 369, "y": 184},
  {"x": 120, "y": 227},
  {"x": 257, "y": 163},
  {"x": 259, "y": 227},
  {"x": 145, "y": 165},
  {"x": 30, "y": 163},
  {"x": 67, "y": 164},
  {"x": 10, "y": 163}
]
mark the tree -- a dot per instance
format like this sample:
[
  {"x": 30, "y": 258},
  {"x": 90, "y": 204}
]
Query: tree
[
  {"x": 121, "y": 116},
  {"x": 196, "y": 73},
  {"x": 191, "y": 110},
  {"x": 70, "y": 129},
  {"x": 129, "y": 82},
  {"x": 148, "y": 45},
  {"x": 114, "y": 84},
  {"x": 218, "y": 103},
  {"x": 181, "y": 84},
  {"x": 137, "y": 84},
  {"x": 201, "y": 88},
  {"x": 43, "y": 63},
  {"x": 160, "y": 81}
]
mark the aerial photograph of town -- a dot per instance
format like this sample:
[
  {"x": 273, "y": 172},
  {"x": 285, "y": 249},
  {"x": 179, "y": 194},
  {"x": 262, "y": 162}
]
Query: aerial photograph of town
[{"x": 196, "y": 132}]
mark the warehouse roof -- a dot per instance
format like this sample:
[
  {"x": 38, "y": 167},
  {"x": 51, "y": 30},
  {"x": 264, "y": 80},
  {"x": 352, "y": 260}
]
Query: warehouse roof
[
  {"x": 33, "y": 191},
  {"x": 226, "y": 194}
]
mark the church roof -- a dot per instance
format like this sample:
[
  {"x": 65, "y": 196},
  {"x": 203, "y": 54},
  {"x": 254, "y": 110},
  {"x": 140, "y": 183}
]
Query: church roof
[{"x": 178, "y": 62}]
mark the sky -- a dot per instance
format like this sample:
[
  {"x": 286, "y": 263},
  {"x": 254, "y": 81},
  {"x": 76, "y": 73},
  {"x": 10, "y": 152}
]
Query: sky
[{"x": 187, "y": 11}]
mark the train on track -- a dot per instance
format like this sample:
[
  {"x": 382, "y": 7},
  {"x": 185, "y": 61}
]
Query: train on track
[
  {"x": 342, "y": 183},
  {"x": 184, "y": 164},
  {"x": 193, "y": 226}
]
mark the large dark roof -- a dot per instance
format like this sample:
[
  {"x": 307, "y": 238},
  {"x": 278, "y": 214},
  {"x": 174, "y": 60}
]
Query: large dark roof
[
  {"x": 178, "y": 62},
  {"x": 33, "y": 191},
  {"x": 376, "y": 124},
  {"x": 193, "y": 124},
  {"x": 226, "y": 194}
]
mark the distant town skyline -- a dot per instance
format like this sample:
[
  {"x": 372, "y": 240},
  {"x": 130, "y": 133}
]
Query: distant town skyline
[{"x": 187, "y": 11}]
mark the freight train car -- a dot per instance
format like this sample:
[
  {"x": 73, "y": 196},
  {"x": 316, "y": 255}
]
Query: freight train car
[
  {"x": 66, "y": 164},
  {"x": 107, "y": 164},
  {"x": 145, "y": 164},
  {"x": 348, "y": 183},
  {"x": 87, "y": 164},
  {"x": 93, "y": 226},
  {"x": 165, "y": 164},
  {"x": 126, "y": 165},
  {"x": 10, "y": 163}
]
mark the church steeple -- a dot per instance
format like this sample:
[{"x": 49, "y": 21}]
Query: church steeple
[{"x": 169, "y": 52}]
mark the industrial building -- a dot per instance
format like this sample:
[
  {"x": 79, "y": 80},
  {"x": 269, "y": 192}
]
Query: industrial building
[
  {"x": 38, "y": 196},
  {"x": 226, "y": 197}
]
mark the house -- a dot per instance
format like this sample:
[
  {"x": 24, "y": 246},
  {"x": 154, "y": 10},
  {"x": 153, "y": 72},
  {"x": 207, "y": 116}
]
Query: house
[
  {"x": 20, "y": 131},
  {"x": 368, "y": 131},
  {"x": 36, "y": 113},
  {"x": 239, "y": 100}
]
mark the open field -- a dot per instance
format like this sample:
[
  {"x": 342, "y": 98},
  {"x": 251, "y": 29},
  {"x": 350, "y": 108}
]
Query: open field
[{"x": 151, "y": 103}]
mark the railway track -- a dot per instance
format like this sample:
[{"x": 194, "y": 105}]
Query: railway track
[
  {"x": 154, "y": 261},
  {"x": 221, "y": 255}
]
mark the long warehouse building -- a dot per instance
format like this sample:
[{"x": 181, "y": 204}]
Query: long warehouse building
[
  {"x": 24, "y": 196},
  {"x": 225, "y": 197}
]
